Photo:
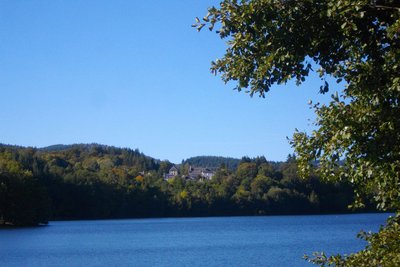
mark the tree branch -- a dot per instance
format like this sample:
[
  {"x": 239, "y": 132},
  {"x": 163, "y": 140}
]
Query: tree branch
[{"x": 385, "y": 7}]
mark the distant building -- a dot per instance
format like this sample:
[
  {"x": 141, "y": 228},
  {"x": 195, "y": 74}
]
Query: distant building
[
  {"x": 200, "y": 173},
  {"x": 207, "y": 173},
  {"x": 173, "y": 171},
  {"x": 194, "y": 173}
]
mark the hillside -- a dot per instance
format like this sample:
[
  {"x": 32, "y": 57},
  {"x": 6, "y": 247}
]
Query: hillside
[
  {"x": 91, "y": 181},
  {"x": 212, "y": 162}
]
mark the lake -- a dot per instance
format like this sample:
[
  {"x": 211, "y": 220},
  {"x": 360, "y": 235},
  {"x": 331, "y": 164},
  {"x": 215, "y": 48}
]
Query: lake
[{"x": 215, "y": 241}]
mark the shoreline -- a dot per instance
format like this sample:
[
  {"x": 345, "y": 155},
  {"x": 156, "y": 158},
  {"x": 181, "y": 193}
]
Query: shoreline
[{"x": 11, "y": 226}]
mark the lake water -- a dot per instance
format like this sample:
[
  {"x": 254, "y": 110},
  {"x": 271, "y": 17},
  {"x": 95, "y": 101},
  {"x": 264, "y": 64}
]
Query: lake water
[{"x": 218, "y": 241}]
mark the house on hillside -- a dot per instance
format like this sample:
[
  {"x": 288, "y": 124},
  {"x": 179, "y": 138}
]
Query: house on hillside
[
  {"x": 207, "y": 174},
  {"x": 194, "y": 173},
  {"x": 173, "y": 171}
]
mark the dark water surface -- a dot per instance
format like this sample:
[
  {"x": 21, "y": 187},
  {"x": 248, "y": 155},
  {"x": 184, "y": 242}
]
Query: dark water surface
[{"x": 218, "y": 241}]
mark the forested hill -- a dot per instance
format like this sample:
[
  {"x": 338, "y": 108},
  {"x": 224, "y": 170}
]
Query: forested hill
[
  {"x": 96, "y": 181},
  {"x": 213, "y": 162},
  {"x": 58, "y": 147}
]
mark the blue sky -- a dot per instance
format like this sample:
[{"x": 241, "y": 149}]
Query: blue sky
[{"x": 133, "y": 74}]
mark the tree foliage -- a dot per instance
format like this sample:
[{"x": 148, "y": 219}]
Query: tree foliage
[
  {"x": 212, "y": 162},
  {"x": 23, "y": 198},
  {"x": 356, "y": 42}
]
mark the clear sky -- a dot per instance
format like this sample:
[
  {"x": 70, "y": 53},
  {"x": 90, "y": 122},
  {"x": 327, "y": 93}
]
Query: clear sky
[{"x": 133, "y": 74}]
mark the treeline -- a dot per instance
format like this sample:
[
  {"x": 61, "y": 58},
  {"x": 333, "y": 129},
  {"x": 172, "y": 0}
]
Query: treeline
[
  {"x": 97, "y": 182},
  {"x": 212, "y": 162}
]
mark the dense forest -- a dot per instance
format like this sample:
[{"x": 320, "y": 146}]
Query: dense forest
[
  {"x": 96, "y": 181},
  {"x": 213, "y": 162}
]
